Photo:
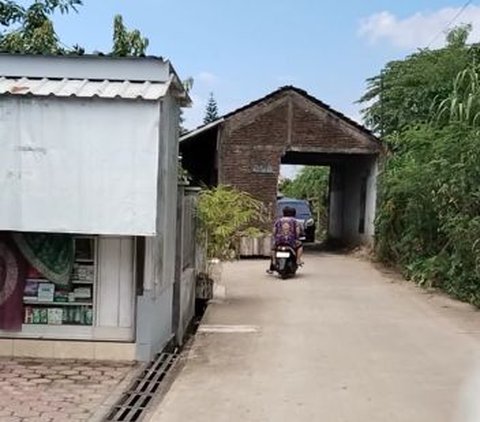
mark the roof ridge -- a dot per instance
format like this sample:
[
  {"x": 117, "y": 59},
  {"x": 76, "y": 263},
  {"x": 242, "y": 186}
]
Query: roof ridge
[{"x": 301, "y": 92}]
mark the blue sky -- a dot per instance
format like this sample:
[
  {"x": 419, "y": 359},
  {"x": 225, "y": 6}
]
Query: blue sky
[{"x": 241, "y": 50}]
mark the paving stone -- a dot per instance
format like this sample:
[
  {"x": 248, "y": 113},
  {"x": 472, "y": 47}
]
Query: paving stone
[
  {"x": 49, "y": 391},
  {"x": 55, "y": 415},
  {"x": 26, "y": 413},
  {"x": 78, "y": 377},
  {"x": 41, "y": 381},
  {"x": 45, "y": 407},
  {"x": 92, "y": 373},
  {"x": 37, "y": 419},
  {"x": 4, "y": 413},
  {"x": 54, "y": 377},
  {"x": 69, "y": 372},
  {"x": 31, "y": 376},
  {"x": 80, "y": 417}
]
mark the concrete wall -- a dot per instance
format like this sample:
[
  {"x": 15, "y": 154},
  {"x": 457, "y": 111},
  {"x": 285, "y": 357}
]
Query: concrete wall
[
  {"x": 346, "y": 201},
  {"x": 154, "y": 306},
  {"x": 185, "y": 267}
]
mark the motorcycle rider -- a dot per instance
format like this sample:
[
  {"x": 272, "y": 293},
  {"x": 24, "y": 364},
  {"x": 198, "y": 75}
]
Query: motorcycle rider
[{"x": 287, "y": 231}]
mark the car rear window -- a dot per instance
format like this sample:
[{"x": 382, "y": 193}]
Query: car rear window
[{"x": 301, "y": 207}]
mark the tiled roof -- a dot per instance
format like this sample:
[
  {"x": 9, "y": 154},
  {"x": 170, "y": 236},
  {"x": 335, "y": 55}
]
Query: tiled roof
[{"x": 280, "y": 91}]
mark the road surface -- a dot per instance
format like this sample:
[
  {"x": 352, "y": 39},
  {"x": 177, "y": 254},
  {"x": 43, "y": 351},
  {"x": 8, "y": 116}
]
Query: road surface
[{"x": 342, "y": 342}]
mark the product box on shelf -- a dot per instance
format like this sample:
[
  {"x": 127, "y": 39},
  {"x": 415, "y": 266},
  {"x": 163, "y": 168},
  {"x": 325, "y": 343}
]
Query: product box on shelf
[
  {"x": 46, "y": 292},
  {"x": 30, "y": 291},
  {"x": 55, "y": 316}
]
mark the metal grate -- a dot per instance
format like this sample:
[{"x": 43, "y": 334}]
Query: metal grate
[{"x": 139, "y": 396}]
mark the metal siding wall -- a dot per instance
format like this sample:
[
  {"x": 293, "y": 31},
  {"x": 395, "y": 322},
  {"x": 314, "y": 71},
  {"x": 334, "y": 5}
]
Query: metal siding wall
[{"x": 82, "y": 166}]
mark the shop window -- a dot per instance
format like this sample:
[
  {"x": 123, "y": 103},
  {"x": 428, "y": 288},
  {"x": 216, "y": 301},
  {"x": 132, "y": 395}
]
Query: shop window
[{"x": 46, "y": 303}]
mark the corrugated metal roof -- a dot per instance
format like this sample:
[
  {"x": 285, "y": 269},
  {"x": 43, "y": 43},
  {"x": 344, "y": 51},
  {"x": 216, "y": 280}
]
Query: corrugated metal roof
[{"x": 83, "y": 88}]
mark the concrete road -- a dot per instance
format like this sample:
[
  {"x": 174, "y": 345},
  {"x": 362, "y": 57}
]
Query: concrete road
[{"x": 342, "y": 342}]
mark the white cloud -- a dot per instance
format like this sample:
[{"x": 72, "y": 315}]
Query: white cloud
[{"x": 418, "y": 30}]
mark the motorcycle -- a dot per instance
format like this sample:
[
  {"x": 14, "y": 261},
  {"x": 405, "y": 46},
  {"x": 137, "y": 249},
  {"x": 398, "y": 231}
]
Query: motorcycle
[{"x": 285, "y": 261}]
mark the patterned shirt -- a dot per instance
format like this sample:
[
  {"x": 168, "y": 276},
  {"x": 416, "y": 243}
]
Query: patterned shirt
[{"x": 286, "y": 231}]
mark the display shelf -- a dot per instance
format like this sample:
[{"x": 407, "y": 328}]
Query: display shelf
[
  {"x": 57, "y": 304},
  {"x": 84, "y": 261},
  {"x": 82, "y": 282}
]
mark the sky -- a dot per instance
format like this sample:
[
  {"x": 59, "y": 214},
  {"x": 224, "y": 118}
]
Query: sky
[{"x": 242, "y": 50}]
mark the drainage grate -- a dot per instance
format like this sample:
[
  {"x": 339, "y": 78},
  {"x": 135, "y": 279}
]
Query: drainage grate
[{"x": 142, "y": 391}]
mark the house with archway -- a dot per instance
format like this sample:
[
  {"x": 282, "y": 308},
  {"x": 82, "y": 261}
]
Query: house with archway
[{"x": 245, "y": 149}]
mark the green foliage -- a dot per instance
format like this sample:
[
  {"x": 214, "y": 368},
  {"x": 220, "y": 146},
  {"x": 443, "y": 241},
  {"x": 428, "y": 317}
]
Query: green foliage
[
  {"x": 211, "y": 110},
  {"x": 225, "y": 214},
  {"x": 463, "y": 103},
  {"x": 429, "y": 218},
  {"x": 311, "y": 183},
  {"x": 404, "y": 91},
  {"x": 125, "y": 42},
  {"x": 30, "y": 29},
  {"x": 188, "y": 85}
]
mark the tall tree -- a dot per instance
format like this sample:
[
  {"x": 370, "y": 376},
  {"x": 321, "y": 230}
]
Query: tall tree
[
  {"x": 405, "y": 90},
  {"x": 428, "y": 220},
  {"x": 211, "y": 110},
  {"x": 29, "y": 29},
  {"x": 127, "y": 42}
]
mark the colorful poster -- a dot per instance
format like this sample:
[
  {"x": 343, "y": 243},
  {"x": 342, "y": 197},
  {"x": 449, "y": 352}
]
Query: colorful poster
[{"x": 12, "y": 277}]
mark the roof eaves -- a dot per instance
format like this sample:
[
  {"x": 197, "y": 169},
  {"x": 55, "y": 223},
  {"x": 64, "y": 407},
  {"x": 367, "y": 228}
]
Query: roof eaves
[
  {"x": 306, "y": 95},
  {"x": 201, "y": 129}
]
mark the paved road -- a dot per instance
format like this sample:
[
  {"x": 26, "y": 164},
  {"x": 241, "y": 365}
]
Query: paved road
[{"x": 343, "y": 342}]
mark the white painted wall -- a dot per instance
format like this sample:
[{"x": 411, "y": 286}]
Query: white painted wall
[
  {"x": 115, "y": 291},
  {"x": 345, "y": 210},
  {"x": 154, "y": 323},
  {"x": 335, "y": 220},
  {"x": 82, "y": 166}
]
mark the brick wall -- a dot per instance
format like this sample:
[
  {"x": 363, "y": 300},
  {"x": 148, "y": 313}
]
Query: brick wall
[{"x": 254, "y": 140}]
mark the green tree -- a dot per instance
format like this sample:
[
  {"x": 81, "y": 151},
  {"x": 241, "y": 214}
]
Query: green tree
[
  {"x": 30, "y": 29},
  {"x": 428, "y": 220},
  {"x": 404, "y": 91},
  {"x": 211, "y": 110},
  {"x": 127, "y": 42}
]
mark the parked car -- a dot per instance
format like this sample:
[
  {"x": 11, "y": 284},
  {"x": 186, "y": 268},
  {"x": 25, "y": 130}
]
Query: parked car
[{"x": 304, "y": 215}]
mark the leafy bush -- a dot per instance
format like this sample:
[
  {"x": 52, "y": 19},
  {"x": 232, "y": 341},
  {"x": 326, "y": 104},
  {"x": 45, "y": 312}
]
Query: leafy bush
[
  {"x": 225, "y": 214},
  {"x": 429, "y": 215},
  {"x": 428, "y": 220}
]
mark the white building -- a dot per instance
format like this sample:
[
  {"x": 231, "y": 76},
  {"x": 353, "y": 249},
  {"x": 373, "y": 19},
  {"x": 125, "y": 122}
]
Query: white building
[{"x": 89, "y": 148}]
